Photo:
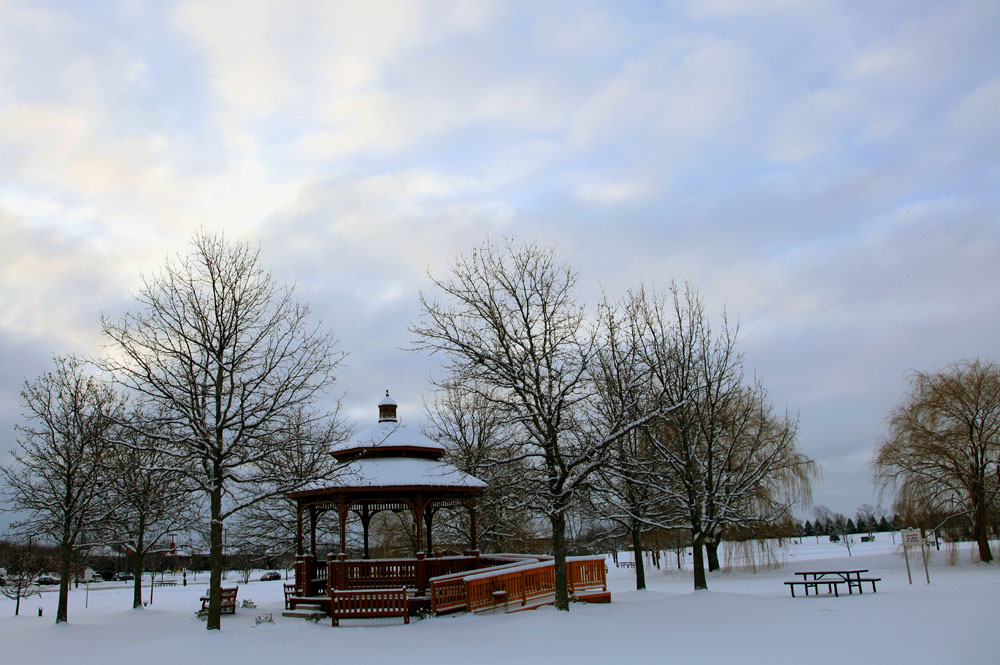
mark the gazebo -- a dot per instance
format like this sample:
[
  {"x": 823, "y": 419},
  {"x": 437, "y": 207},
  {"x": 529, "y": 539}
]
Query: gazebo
[{"x": 388, "y": 466}]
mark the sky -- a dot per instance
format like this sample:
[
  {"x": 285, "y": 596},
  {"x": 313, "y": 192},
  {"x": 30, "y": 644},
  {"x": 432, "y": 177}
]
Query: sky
[{"x": 825, "y": 172}]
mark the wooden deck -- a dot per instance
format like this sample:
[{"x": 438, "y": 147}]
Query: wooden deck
[{"x": 470, "y": 583}]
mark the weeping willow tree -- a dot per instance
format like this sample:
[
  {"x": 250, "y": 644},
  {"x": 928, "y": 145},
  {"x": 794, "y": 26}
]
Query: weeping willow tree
[{"x": 941, "y": 455}]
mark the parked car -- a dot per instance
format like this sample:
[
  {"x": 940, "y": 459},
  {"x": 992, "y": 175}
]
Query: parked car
[
  {"x": 46, "y": 580},
  {"x": 273, "y": 575},
  {"x": 124, "y": 577}
]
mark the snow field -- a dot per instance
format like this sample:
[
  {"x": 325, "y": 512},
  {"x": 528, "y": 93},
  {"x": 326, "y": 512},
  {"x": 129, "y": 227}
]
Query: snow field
[{"x": 745, "y": 617}]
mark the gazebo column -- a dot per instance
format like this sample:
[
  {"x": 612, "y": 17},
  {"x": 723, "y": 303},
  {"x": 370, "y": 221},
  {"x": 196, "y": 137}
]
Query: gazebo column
[
  {"x": 342, "y": 514},
  {"x": 366, "y": 518},
  {"x": 418, "y": 513},
  {"x": 312, "y": 529},
  {"x": 473, "y": 535},
  {"x": 299, "y": 551},
  {"x": 429, "y": 523}
]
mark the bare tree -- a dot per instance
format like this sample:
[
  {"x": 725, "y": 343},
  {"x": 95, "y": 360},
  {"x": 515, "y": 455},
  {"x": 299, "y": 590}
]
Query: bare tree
[
  {"x": 479, "y": 440},
  {"x": 268, "y": 528},
  {"x": 59, "y": 477},
  {"x": 723, "y": 458},
  {"x": 233, "y": 363},
  {"x": 509, "y": 320},
  {"x": 942, "y": 452},
  {"x": 23, "y": 564},
  {"x": 152, "y": 497},
  {"x": 623, "y": 491}
]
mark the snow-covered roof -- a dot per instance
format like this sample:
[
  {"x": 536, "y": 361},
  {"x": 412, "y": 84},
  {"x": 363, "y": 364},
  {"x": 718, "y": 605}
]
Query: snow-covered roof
[
  {"x": 388, "y": 434},
  {"x": 402, "y": 472},
  {"x": 387, "y": 401}
]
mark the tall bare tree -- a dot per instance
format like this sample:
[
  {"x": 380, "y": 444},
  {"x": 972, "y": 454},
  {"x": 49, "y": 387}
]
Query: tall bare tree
[
  {"x": 942, "y": 452},
  {"x": 623, "y": 489},
  {"x": 152, "y": 497},
  {"x": 509, "y": 320},
  {"x": 480, "y": 440},
  {"x": 233, "y": 363},
  {"x": 59, "y": 477},
  {"x": 723, "y": 458}
]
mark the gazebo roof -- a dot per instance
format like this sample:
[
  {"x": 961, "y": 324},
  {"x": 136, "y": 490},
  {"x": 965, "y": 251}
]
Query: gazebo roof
[
  {"x": 390, "y": 455},
  {"x": 385, "y": 437},
  {"x": 398, "y": 472}
]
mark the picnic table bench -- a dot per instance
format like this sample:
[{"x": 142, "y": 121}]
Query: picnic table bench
[
  {"x": 228, "y": 605},
  {"x": 832, "y": 579},
  {"x": 165, "y": 583},
  {"x": 369, "y": 603}
]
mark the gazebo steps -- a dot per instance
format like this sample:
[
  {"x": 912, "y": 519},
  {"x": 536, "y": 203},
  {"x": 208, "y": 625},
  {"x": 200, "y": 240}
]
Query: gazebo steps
[
  {"x": 594, "y": 597},
  {"x": 312, "y": 614}
]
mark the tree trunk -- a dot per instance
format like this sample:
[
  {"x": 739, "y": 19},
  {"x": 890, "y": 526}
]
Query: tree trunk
[
  {"x": 137, "y": 571},
  {"x": 700, "y": 581},
  {"x": 712, "y": 549},
  {"x": 215, "y": 556},
  {"x": 640, "y": 568},
  {"x": 558, "y": 520},
  {"x": 65, "y": 555},
  {"x": 980, "y": 531},
  {"x": 17, "y": 606}
]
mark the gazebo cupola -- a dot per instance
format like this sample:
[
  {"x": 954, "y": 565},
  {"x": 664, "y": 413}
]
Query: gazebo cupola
[{"x": 387, "y": 409}]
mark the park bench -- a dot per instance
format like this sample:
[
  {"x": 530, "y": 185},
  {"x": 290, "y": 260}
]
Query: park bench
[
  {"x": 228, "y": 605},
  {"x": 369, "y": 604},
  {"x": 165, "y": 583}
]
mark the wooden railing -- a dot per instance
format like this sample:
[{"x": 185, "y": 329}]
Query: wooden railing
[
  {"x": 584, "y": 573},
  {"x": 344, "y": 573},
  {"x": 454, "y": 582},
  {"x": 448, "y": 592},
  {"x": 520, "y": 584},
  {"x": 380, "y": 573}
]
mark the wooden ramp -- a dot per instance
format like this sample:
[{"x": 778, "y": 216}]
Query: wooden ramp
[{"x": 519, "y": 586}]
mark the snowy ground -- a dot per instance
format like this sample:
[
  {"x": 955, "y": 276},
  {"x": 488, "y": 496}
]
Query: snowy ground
[{"x": 746, "y": 617}]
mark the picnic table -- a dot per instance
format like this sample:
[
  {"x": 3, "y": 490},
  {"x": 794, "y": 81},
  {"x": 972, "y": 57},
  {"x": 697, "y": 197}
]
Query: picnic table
[{"x": 832, "y": 579}]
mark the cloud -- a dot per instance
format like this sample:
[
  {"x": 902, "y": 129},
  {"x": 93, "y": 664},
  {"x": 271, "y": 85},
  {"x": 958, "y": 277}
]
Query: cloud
[{"x": 825, "y": 172}]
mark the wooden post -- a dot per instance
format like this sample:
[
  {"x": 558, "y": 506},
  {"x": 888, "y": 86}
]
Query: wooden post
[
  {"x": 366, "y": 519},
  {"x": 429, "y": 520},
  {"x": 341, "y": 571},
  {"x": 312, "y": 530},
  {"x": 342, "y": 513},
  {"x": 298, "y": 530},
  {"x": 307, "y": 564},
  {"x": 418, "y": 510},
  {"x": 473, "y": 536},
  {"x": 421, "y": 574}
]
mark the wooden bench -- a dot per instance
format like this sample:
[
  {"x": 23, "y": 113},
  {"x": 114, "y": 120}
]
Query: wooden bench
[
  {"x": 290, "y": 591},
  {"x": 626, "y": 564},
  {"x": 165, "y": 583},
  {"x": 228, "y": 605},
  {"x": 369, "y": 604},
  {"x": 856, "y": 583}
]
